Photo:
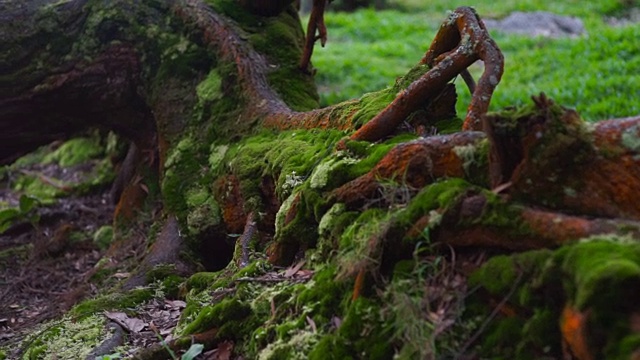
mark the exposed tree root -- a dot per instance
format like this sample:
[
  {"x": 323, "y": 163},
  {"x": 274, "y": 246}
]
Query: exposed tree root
[
  {"x": 416, "y": 164},
  {"x": 461, "y": 41}
]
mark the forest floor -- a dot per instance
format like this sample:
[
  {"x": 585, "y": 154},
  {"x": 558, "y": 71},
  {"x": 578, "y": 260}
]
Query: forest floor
[{"x": 44, "y": 269}]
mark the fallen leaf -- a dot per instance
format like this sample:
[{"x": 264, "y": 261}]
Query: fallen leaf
[
  {"x": 223, "y": 352},
  {"x": 336, "y": 322},
  {"x": 312, "y": 324},
  {"x": 293, "y": 270},
  {"x": 133, "y": 325}
]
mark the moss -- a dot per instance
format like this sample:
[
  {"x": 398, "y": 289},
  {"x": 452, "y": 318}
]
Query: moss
[
  {"x": 75, "y": 151},
  {"x": 364, "y": 317},
  {"x": 600, "y": 273},
  {"x": 503, "y": 337},
  {"x": 285, "y": 155},
  {"x": 253, "y": 269},
  {"x": 598, "y": 277},
  {"x": 439, "y": 195},
  {"x": 323, "y": 296},
  {"x": 332, "y": 347},
  {"x": 204, "y": 212},
  {"x": 328, "y": 222},
  {"x": 360, "y": 244},
  {"x": 200, "y": 281},
  {"x": 216, "y": 157},
  {"x": 295, "y": 347},
  {"x": 229, "y": 316},
  {"x": 69, "y": 339},
  {"x": 371, "y": 104},
  {"x": 448, "y": 126},
  {"x": 103, "y": 237},
  {"x": 111, "y": 302}
]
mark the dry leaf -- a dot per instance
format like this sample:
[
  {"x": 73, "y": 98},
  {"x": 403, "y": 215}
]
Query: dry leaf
[
  {"x": 133, "y": 325},
  {"x": 312, "y": 324},
  {"x": 293, "y": 270}
]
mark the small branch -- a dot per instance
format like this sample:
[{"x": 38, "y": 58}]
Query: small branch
[
  {"x": 247, "y": 234},
  {"x": 316, "y": 24},
  {"x": 469, "y": 80},
  {"x": 491, "y": 317}
]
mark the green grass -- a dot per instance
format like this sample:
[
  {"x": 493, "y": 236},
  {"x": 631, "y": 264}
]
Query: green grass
[{"x": 596, "y": 74}]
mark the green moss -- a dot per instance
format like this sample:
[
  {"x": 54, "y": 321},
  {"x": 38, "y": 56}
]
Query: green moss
[
  {"x": 601, "y": 273},
  {"x": 503, "y": 337},
  {"x": 103, "y": 237},
  {"x": 360, "y": 244},
  {"x": 364, "y": 316},
  {"x": 476, "y": 166},
  {"x": 229, "y": 316},
  {"x": 204, "y": 212},
  {"x": 111, "y": 302},
  {"x": 216, "y": 157},
  {"x": 439, "y": 195},
  {"x": 333, "y": 347},
  {"x": 69, "y": 339},
  {"x": 630, "y": 139},
  {"x": 75, "y": 151},
  {"x": 200, "y": 281},
  {"x": 289, "y": 157},
  {"x": 598, "y": 277}
]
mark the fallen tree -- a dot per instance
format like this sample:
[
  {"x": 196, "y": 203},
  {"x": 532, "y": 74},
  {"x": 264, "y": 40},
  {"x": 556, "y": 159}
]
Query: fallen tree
[{"x": 368, "y": 216}]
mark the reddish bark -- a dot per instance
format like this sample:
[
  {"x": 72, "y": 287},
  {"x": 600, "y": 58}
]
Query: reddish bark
[
  {"x": 316, "y": 24},
  {"x": 461, "y": 41},
  {"x": 573, "y": 325},
  {"x": 527, "y": 228},
  {"x": 560, "y": 163},
  {"x": 416, "y": 164},
  {"x": 227, "y": 192}
]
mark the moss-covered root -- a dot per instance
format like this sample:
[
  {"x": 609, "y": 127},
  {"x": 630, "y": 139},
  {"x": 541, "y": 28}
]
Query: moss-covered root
[
  {"x": 554, "y": 159},
  {"x": 581, "y": 298}
]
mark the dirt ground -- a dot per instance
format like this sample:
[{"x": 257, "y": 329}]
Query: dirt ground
[{"x": 44, "y": 270}]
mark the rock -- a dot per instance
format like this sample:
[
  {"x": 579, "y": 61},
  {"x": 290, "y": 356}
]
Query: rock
[{"x": 538, "y": 23}]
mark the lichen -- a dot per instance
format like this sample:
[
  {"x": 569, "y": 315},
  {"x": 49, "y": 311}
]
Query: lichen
[{"x": 67, "y": 339}]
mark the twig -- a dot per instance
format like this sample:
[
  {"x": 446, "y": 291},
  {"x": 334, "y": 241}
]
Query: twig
[
  {"x": 489, "y": 318},
  {"x": 247, "y": 234},
  {"x": 316, "y": 23}
]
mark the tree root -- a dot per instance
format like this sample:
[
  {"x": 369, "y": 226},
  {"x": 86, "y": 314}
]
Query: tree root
[{"x": 461, "y": 41}]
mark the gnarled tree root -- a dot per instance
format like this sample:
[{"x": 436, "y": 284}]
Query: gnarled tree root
[{"x": 461, "y": 41}]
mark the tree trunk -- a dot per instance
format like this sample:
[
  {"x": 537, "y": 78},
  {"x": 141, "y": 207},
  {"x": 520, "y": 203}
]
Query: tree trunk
[{"x": 228, "y": 131}]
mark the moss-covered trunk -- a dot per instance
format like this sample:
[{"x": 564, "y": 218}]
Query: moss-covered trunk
[{"x": 296, "y": 232}]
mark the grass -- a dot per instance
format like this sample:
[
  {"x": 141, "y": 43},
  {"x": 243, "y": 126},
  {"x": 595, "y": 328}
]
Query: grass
[{"x": 597, "y": 74}]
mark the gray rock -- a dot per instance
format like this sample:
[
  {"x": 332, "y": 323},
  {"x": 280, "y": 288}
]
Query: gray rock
[{"x": 538, "y": 23}]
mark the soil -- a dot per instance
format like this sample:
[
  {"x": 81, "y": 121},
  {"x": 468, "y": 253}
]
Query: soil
[{"x": 44, "y": 270}]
